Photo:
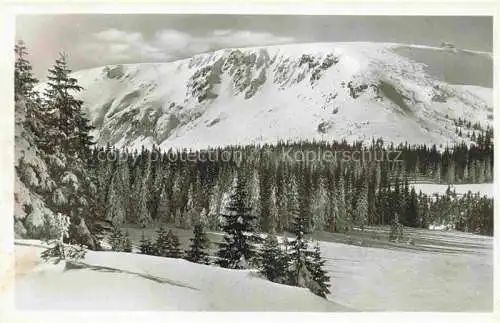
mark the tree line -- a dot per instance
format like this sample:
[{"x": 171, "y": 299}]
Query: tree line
[{"x": 154, "y": 186}]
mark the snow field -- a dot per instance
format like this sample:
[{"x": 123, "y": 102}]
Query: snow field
[
  {"x": 443, "y": 271},
  {"x": 125, "y": 281}
]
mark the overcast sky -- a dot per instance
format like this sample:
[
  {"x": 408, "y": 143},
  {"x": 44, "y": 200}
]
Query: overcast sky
[{"x": 94, "y": 40}]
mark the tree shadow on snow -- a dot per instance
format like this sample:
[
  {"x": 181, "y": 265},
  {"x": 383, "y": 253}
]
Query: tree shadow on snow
[{"x": 71, "y": 265}]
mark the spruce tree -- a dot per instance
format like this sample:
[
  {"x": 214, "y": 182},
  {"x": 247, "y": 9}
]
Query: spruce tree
[
  {"x": 146, "y": 246},
  {"x": 141, "y": 194},
  {"x": 396, "y": 233},
  {"x": 361, "y": 211},
  {"x": 33, "y": 218},
  {"x": 67, "y": 143},
  {"x": 67, "y": 118},
  {"x": 320, "y": 207},
  {"x": 236, "y": 250},
  {"x": 199, "y": 244},
  {"x": 265, "y": 194},
  {"x": 116, "y": 239},
  {"x": 298, "y": 274},
  {"x": 172, "y": 244},
  {"x": 24, "y": 81},
  {"x": 273, "y": 263},
  {"x": 161, "y": 244},
  {"x": 412, "y": 217},
  {"x": 319, "y": 275},
  {"x": 116, "y": 201},
  {"x": 127, "y": 243},
  {"x": 341, "y": 208}
]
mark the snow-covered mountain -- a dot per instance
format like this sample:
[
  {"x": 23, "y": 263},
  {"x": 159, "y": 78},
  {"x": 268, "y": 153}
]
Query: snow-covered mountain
[{"x": 322, "y": 91}]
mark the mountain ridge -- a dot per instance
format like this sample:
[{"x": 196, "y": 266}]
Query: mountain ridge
[{"x": 308, "y": 91}]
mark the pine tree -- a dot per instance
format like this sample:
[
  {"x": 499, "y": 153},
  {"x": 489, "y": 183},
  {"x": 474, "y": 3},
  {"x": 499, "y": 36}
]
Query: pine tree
[
  {"x": 24, "y": 81},
  {"x": 488, "y": 170},
  {"x": 265, "y": 194},
  {"x": 320, "y": 207},
  {"x": 116, "y": 239},
  {"x": 361, "y": 211},
  {"x": 127, "y": 243},
  {"x": 199, "y": 244},
  {"x": 116, "y": 202},
  {"x": 161, "y": 243},
  {"x": 146, "y": 246},
  {"x": 319, "y": 275},
  {"x": 236, "y": 250},
  {"x": 396, "y": 233},
  {"x": 214, "y": 204},
  {"x": 71, "y": 127},
  {"x": 412, "y": 218},
  {"x": 140, "y": 196},
  {"x": 341, "y": 205},
  {"x": 298, "y": 274},
  {"x": 67, "y": 144},
  {"x": 172, "y": 249},
  {"x": 164, "y": 204},
  {"x": 158, "y": 179},
  {"x": 33, "y": 217},
  {"x": 273, "y": 263}
]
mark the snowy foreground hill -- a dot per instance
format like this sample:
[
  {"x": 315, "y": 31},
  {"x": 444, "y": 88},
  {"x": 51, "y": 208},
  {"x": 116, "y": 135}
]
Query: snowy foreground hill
[
  {"x": 443, "y": 271},
  {"x": 322, "y": 91},
  {"x": 124, "y": 281}
]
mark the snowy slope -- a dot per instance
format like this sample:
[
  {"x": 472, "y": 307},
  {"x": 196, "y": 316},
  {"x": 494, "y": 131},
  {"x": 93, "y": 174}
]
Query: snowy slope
[
  {"x": 122, "y": 281},
  {"x": 444, "y": 278},
  {"x": 444, "y": 271},
  {"x": 351, "y": 91}
]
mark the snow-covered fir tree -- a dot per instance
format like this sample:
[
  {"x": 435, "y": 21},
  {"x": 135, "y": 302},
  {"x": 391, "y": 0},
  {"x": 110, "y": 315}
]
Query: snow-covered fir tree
[
  {"x": 236, "y": 250},
  {"x": 396, "y": 233},
  {"x": 273, "y": 261},
  {"x": 161, "y": 242},
  {"x": 127, "y": 243},
  {"x": 361, "y": 211},
  {"x": 171, "y": 248},
  {"x": 199, "y": 245},
  {"x": 340, "y": 207},
  {"x": 146, "y": 246},
  {"x": 120, "y": 241},
  {"x": 70, "y": 126},
  {"x": 412, "y": 216},
  {"x": 116, "y": 206},
  {"x": 140, "y": 193},
  {"x": 298, "y": 273},
  {"x": 24, "y": 81},
  {"x": 66, "y": 145},
  {"x": 265, "y": 200},
  {"x": 167, "y": 244},
  {"x": 319, "y": 274},
  {"x": 24, "y": 84},
  {"x": 33, "y": 181},
  {"x": 320, "y": 207}
]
